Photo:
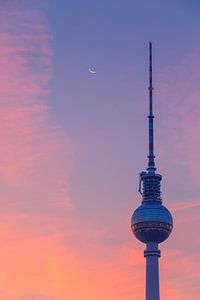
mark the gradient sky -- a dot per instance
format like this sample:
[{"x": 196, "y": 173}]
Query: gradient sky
[{"x": 73, "y": 144}]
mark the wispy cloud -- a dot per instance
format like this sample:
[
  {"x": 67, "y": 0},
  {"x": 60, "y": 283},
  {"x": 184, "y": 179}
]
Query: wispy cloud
[
  {"x": 32, "y": 150},
  {"x": 186, "y": 205},
  {"x": 34, "y": 161},
  {"x": 179, "y": 105}
]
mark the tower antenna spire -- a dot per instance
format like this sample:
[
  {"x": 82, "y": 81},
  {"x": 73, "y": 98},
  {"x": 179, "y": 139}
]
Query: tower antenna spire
[
  {"x": 151, "y": 222},
  {"x": 151, "y": 156}
]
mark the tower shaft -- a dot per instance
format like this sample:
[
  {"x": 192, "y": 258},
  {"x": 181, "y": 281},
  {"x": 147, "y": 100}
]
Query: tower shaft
[{"x": 152, "y": 255}]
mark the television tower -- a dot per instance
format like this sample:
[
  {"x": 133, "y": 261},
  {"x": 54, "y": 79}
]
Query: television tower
[{"x": 151, "y": 222}]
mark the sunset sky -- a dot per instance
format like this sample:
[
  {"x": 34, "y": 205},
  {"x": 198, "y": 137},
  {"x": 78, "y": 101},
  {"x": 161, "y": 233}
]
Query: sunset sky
[{"x": 73, "y": 144}]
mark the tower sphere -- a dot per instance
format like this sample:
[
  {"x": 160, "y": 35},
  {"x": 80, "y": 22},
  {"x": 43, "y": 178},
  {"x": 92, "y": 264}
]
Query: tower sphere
[{"x": 151, "y": 223}]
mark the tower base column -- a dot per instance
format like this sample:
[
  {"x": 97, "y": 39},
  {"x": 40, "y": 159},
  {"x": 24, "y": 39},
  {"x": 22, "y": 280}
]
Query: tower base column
[{"x": 152, "y": 271}]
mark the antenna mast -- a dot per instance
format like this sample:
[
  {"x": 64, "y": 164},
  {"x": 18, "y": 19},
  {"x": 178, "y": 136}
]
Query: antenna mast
[{"x": 151, "y": 156}]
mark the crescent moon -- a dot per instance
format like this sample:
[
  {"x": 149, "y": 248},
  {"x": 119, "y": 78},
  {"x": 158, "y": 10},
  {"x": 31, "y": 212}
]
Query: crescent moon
[{"x": 92, "y": 71}]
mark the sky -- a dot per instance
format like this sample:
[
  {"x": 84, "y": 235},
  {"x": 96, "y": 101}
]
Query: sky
[{"x": 73, "y": 144}]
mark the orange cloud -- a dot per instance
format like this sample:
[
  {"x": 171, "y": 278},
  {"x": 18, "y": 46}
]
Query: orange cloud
[{"x": 42, "y": 266}]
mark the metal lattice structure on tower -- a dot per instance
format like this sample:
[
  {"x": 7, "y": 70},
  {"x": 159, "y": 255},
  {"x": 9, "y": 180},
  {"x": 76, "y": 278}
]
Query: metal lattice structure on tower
[{"x": 151, "y": 222}]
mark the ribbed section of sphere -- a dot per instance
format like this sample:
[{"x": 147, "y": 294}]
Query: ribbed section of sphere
[
  {"x": 151, "y": 186},
  {"x": 151, "y": 223}
]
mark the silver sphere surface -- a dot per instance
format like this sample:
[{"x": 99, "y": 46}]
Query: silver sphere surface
[{"x": 152, "y": 223}]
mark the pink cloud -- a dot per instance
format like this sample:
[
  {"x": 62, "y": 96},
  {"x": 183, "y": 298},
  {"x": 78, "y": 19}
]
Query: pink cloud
[
  {"x": 179, "y": 106},
  {"x": 180, "y": 275},
  {"x": 186, "y": 205},
  {"x": 179, "y": 142},
  {"x": 31, "y": 147}
]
